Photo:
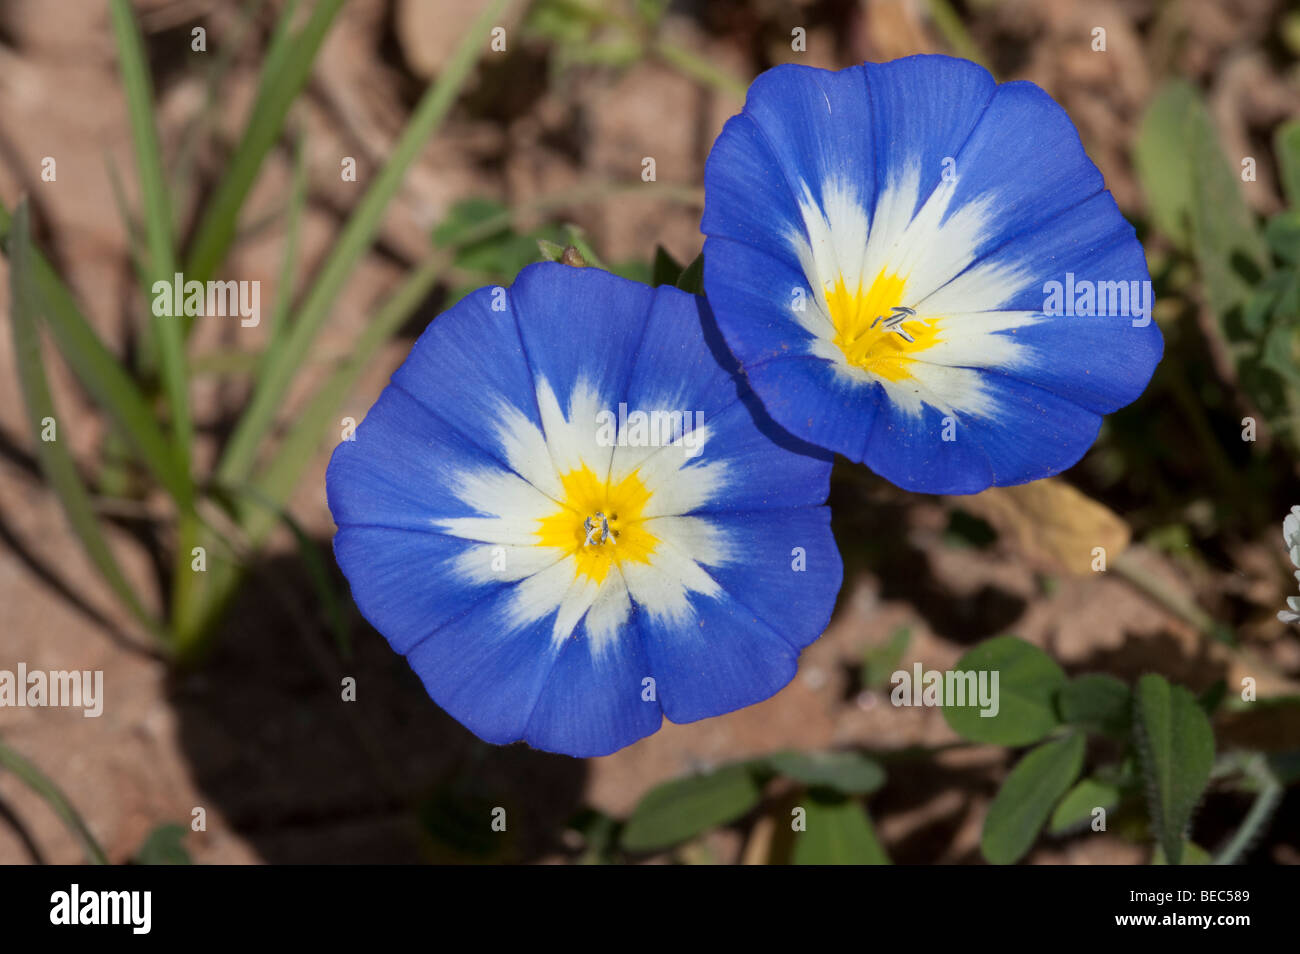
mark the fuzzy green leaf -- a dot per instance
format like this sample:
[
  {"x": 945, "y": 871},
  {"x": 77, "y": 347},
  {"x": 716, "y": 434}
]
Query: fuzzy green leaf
[
  {"x": 1176, "y": 751},
  {"x": 1163, "y": 162}
]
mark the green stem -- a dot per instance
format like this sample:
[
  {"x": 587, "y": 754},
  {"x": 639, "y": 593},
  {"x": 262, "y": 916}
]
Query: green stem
[
  {"x": 699, "y": 68},
  {"x": 1261, "y": 810},
  {"x": 954, "y": 32},
  {"x": 36, "y": 780}
]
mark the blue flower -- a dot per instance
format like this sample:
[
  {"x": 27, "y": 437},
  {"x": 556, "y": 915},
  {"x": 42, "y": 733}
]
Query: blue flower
[
  {"x": 922, "y": 270},
  {"x": 573, "y": 520}
]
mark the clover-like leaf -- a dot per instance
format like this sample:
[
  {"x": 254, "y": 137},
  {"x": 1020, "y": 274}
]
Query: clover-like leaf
[
  {"x": 1026, "y": 798},
  {"x": 680, "y": 809},
  {"x": 1027, "y": 681}
]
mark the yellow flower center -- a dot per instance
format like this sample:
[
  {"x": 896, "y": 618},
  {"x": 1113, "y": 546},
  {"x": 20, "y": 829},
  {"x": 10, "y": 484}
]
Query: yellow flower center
[
  {"x": 599, "y": 523},
  {"x": 872, "y": 328}
]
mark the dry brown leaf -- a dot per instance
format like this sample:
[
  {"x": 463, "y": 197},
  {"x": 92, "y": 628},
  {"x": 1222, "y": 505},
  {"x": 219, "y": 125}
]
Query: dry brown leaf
[{"x": 1051, "y": 523}]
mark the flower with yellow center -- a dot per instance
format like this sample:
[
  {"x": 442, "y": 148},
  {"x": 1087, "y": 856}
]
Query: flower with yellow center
[
  {"x": 598, "y": 524},
  {"x": 565, "y": 513}
]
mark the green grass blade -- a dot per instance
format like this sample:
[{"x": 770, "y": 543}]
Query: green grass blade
[
  {"x": 168, "y": 331},
  {"x": 55, "y": 461},
  {"x": 259, "y": 505},
  {"x": 239, "y": 456},
  {"x": 288, "y": 64},
  {"x": 36, "y": 780},
  {"x": 293, "y": 228},
  {"x": 103, "y": 376},
  {"x": 275, "y": 481},
  {"x": 194, "y": 133}
]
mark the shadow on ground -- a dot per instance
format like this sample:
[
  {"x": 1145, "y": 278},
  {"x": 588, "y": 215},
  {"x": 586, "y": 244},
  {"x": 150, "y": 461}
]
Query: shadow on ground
[{"x": 308, "y": 778}]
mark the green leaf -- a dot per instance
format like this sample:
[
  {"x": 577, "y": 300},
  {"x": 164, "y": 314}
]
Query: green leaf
[
  {"x": 168, "y": 330},
  {"x": 850, "y": 773},
  {"x": 692, "y": 276},
  {"x": 1027, "y": 681},
  {"x": 1076, "y": 808},
  {"x": 599, "y": 834},
  {"x": 238, "y": 457},
  {"x": 50, "y": 793},
  {"x": 1230, "y": 250},
  {"x": 838, "y": 832},
  {"x": 1026, "y": 798},
  {"x": 1282, "y": 232},
  {"x": 1163, "y": 161},
  {"x": 633, "y": 271},
  {"x": 164, "y": 846},
  {"x": 681, "y": 809},
  {"x": 270, "y": 488},
  {"x": 1096, "y": 701},
  {"x": 277, "y": 479},
  {"x": 1192, "y": 854},
  {"x": 466, "y": 220},
  {"x": 52, "y": 455},
  {"x": 1286, "y": 145},
  {"x": 288, "y": 264},
  {"x": 101, "y": 374},
  {"x": 549, "y": 251},
  {"x": 1176, "y": 751},
  {"x": 1213, "y": 697},
  {"x": 287, "y": 66},
  {"x": 881, "y": 662},
  {"x": 666, "y": 269}
]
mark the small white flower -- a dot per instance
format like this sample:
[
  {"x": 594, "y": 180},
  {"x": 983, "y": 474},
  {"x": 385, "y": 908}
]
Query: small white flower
[
  {"x": 1291, "y": 530},
  {"x": 1291, "y": 538}
]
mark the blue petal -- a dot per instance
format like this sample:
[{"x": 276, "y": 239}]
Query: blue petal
[
  {"x": 758, "y": 292},
  {"x": 1033, "y": 434},
  {"x": 1099, "y": 362},
  {"x": 486, "y": 670},
  {"x": 469, "y": 362},
  {"x": 1012, "y": 148},
  {"x": 727, "y": 658},
  {"x": 809, "y": 398},
  {"x": 580, "y": 324},
  {"x": 910, "y": 451},
  {"x": 380, "y": 562},
  {"x": 756, "y": 164},
  {"x": 399, "y": 470},
  {"x": 768, "y": 466},
  {"x": 789, "y": 570},
  {"x": 594, "y": 704},
  {"x": 923, "y": 110},
  {"x": 1026, "y": 152}
]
